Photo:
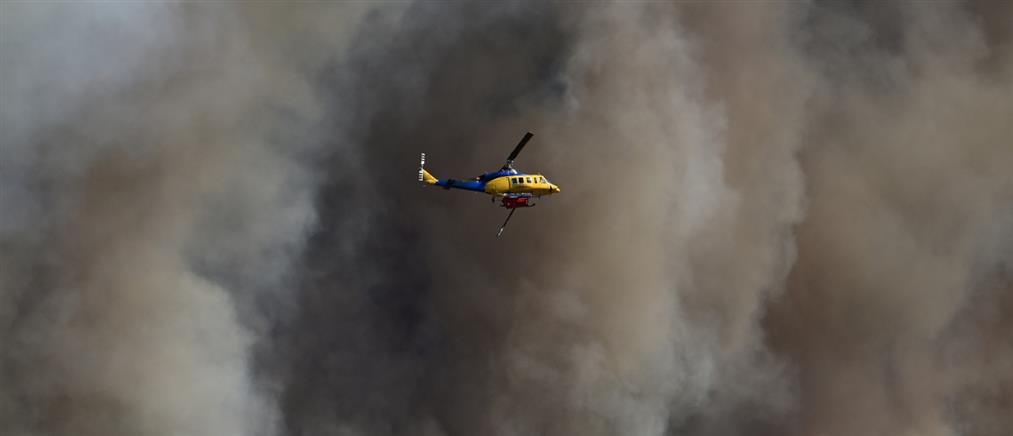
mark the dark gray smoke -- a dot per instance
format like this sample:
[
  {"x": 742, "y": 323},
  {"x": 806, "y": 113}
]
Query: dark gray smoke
[{"x": 777, "y": 218}]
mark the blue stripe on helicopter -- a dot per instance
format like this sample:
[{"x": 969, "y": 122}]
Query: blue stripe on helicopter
[
  {"x": 470, "y": 185},
  {"x": 477, "y": 185}
]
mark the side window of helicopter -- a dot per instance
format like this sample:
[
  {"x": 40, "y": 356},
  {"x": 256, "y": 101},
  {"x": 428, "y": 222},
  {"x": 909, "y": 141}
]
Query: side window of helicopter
[{"x": 529, "y": 179}]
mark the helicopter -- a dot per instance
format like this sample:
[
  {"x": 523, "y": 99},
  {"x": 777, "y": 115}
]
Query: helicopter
[{"x": 514, "y": 188}]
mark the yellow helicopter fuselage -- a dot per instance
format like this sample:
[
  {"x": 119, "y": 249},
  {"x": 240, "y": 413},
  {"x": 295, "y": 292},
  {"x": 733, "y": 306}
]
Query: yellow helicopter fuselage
[
  {"x": 513, "y": 188},
  {"x": 534, "y": 184}
]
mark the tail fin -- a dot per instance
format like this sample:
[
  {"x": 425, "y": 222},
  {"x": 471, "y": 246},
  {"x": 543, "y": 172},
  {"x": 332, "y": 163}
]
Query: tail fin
[{"x": 424, "y": 175}]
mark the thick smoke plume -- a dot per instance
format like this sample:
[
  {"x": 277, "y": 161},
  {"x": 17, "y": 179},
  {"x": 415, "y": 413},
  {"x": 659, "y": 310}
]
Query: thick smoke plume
[{"x": 787, "y": 218}]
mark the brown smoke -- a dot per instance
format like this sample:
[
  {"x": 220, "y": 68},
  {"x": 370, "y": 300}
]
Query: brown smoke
[
  {"x": 907, "y": 233},
  {"x": 152, "y": 188},
  {"x": 788, "y": 218}
]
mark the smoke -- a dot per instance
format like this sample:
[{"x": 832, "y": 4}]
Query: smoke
[
  {"x": 781, "y": 218},
  {"x": 154, "y": 192},
  {"x": 908, "y": 229}
]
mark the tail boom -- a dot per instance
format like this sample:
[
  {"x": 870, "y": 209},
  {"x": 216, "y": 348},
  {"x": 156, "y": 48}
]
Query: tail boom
[{"x": 428, "y": 179}]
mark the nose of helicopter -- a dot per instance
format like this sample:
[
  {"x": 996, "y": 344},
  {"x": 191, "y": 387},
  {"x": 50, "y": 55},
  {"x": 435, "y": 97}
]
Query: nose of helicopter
[{"x": 555, "y": 189}]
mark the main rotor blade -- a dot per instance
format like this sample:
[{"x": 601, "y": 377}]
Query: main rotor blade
[
  {"x": 519, "y": 147},
  {"x": 501, "y": 228}
]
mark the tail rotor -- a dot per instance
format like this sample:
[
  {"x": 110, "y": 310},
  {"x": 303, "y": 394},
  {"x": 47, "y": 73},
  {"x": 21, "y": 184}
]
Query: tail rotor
[
  {"x": 424, "y": 176},
  {"x": 422, "y": 166}
]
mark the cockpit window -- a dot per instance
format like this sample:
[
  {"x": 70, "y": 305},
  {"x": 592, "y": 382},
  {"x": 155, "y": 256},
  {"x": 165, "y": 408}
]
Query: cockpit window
[{"x": 541, "y": 179}]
